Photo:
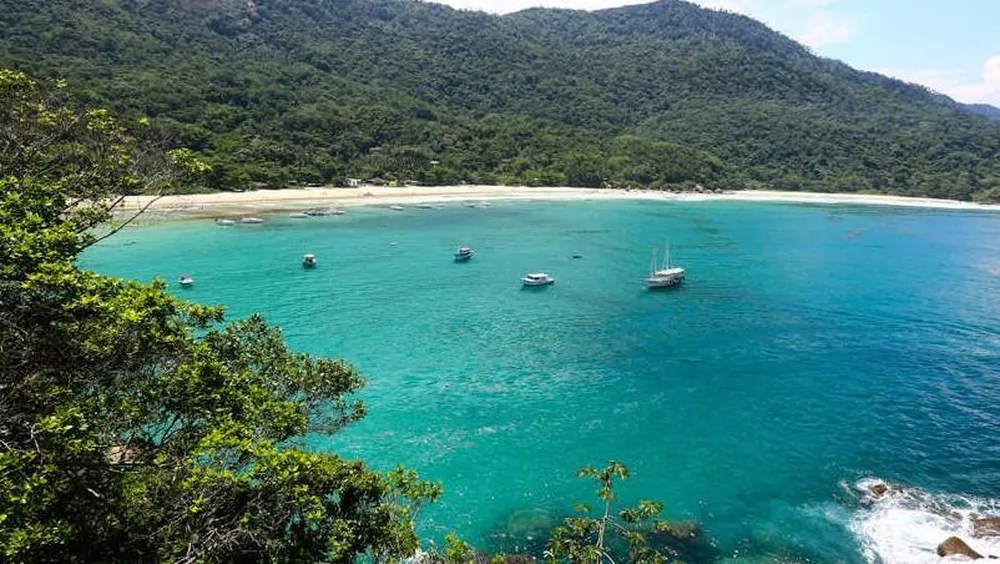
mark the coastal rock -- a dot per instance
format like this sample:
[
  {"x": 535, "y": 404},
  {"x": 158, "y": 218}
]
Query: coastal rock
[
  {"x": 954, "y": 545},
  {"x": 679, "y": 530},
  {"x": 685, "y": 540},
  {"x": 878, "y": 490},
  {"x": 986, "y": 527}
]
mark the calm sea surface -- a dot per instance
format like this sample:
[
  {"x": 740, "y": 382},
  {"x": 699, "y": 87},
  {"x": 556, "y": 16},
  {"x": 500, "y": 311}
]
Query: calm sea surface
[{"x": 812, "y": 347}]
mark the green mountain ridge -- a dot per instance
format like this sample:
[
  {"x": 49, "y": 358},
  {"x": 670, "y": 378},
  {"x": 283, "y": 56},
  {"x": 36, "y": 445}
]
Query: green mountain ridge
[
  {"x": 661, "y": 94},
  {"x": 985, "y": 110}
]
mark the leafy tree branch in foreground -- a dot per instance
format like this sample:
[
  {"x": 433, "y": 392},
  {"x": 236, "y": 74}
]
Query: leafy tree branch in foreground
[
  {"x": 135, "y": 426},
  {"x": 614, "y": 536}
]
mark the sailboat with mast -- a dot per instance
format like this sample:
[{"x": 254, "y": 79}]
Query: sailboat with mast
[{"x": 664, "y": 275}]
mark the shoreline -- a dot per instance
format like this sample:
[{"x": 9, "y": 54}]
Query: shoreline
[{"x": 235, "y": 204}]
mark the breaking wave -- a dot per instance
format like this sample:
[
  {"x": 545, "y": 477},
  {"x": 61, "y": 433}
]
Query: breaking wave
[{"x": 906, "y": 524}]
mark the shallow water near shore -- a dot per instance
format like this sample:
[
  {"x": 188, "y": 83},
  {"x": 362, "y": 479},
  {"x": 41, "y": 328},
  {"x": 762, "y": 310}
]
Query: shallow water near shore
[{"x": 811, "y": 347}]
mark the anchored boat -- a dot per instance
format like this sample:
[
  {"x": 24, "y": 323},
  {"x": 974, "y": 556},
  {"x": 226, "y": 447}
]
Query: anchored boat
[
  {"x": 666, "y": 275},
  {"x": 537, "y": 279}
]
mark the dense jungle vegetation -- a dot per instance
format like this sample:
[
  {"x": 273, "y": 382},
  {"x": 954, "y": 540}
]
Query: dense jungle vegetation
[{"x": 666, "y": 94}]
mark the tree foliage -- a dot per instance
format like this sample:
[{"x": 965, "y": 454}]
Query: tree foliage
[
  {"x": 612, "y": 536},
  {"x": 663, "y": 94},
  {"x": 138, "y": 427}
]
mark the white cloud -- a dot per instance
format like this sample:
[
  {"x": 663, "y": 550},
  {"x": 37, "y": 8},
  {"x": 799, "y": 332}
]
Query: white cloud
[
  {"x": 935, "y": 79},
  {"x": 986, "y": 90},
  {"x": 813, "y": 4},
  {"x": 826, "y": 28},
  {"x": 991, "y": 70},
  {"x": 816, "y": 23},
  {"x": 959, "y": 83}
]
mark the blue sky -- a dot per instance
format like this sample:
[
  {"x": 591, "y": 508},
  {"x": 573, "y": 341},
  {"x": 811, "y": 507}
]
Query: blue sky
[{"x": 951, "y": 46}]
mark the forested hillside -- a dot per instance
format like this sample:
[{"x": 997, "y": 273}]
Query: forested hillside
[
  {"x": 665, "y": 94},
  {"x": 984, "y": 110}
]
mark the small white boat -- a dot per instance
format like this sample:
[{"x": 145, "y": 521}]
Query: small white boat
[
  {"x": 537, "y": 279},
  {"x": 666, "y": 275},
  {"x": 397, "y": 208},
  {"x": 251, "y": 220},
  {"x": 298, "y": 215},
  {"x": 224, "y": 221},
  {"x": 317, "y": 213},
  {"x": 463, "y": 254},
  {"x": 185, "y": 281},
  {"x": 309, "y": 260},
  {"x": 337, "y": 212},
  {"x": 425, "y": 206}
]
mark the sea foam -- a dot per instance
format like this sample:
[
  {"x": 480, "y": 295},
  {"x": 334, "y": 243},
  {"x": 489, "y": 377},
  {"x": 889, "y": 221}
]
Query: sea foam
[{"x": 905, "y": 525}]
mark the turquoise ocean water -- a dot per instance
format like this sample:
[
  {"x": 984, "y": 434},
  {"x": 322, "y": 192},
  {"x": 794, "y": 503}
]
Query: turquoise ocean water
[{"x": 812, "y": 347}]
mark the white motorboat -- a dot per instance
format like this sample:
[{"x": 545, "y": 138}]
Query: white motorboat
[
  {"x": 463, "y": 254},
  {"x": 185, "y": 281},
  {"x": 537, "y": 279},
  {"x": 251, "y": 220},
  {"x": 225, "y": 222},
  {"x": 338, "y": 212},
  {"x": 665, "y": 275},
  {"x": 298, "y": 215},
  {"x": 397, "y": 208},
  {"x": 309, "y": 260}
]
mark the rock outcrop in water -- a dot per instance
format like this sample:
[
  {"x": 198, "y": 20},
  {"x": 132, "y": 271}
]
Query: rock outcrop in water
[
  {"x": 871, "y": 490},
  {"x": 878, "y": 490},
  {"x": 902, "y": 523},
  {"x": 955, "y": 546},
  {"x": 986, "y": 527},
  {"x": 679, "y": 531}
]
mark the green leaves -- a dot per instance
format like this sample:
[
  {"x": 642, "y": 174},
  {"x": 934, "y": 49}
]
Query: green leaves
[
  {"x": 606, "y": 539},
  {"x": 64, "y": 170},
  {"x": 644, "y": 511},
  {"x": 457, "y": 551},
  {"x": 137, "y": 427},
  {"x": 188, "y": 160},
  {"x": 407, "y": 484},
  {"x": 605, "y": 477},
  {"x": 303, "y": 94}
]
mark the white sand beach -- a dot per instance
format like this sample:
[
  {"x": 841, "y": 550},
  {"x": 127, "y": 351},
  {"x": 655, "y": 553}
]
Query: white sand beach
[{"x": 222, "y": 204}]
